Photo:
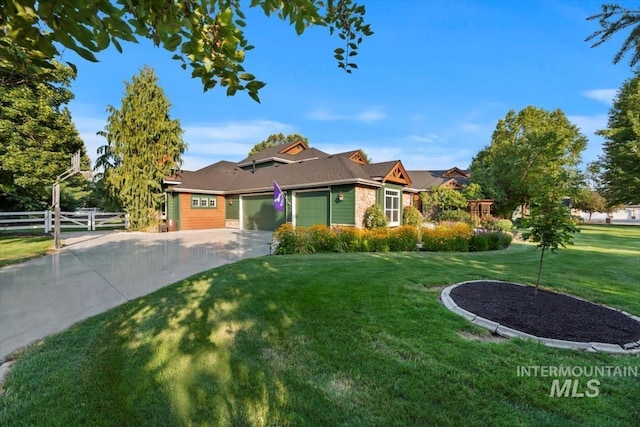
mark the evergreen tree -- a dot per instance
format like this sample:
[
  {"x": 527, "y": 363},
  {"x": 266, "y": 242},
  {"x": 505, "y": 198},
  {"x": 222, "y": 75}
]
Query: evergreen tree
[
  {"x": 620, "y": 163},
  {"x": 143, "y": 145},
  {"x": 277, "y": 139},
  {"x": 37, "y": 138}
]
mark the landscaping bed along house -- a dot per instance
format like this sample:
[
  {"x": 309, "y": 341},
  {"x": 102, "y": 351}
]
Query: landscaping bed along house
[{"x": 443, "y": 237}]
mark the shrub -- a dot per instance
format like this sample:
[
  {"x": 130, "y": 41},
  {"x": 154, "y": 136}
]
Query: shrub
[
  {"x": 496, "y": 224},
  {"x": 377, "y": 240},
  {"x": 490, "y": 241},
  {"x": 374, "y": 218},
  {"x": 285, "y": 238},
  {"x": 447, "y": 236},
  {"x": 479, "y": 242},
  {"x": 455, "y": 216},
  {"x": 404, "y": 238},
  {"x": 504, "y": 225},
  {"x": 411, "y": 216},
  {"x": 347, "y": 239},
  {"x": 321, "y": 238}
]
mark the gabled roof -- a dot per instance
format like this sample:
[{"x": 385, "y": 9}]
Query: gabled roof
[
  {"x": 213, "y": 178},
  {"x": 284, "y": 153},
  {"x": 451, "y": 178},
  {"x": 228, "y": 178},
  {"x": 392, "y": 171}
]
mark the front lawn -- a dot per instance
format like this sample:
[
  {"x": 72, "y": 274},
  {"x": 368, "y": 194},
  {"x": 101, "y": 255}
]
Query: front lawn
[
  {"x": 20, "y": 248},
  {"x": 332, "y": 339}
]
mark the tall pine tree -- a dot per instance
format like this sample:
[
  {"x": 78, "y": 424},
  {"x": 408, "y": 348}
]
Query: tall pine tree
[
  {"x": 620, "y": 163},
  {"x": 37, "y": 137},
  {"x": 143, "y": 145}
]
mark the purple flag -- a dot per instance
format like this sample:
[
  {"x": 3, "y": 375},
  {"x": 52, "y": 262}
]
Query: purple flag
[{"x": 278, "y": 197}]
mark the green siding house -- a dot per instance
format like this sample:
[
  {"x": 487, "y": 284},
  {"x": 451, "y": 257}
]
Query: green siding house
[{"x": 320, "y": 188}]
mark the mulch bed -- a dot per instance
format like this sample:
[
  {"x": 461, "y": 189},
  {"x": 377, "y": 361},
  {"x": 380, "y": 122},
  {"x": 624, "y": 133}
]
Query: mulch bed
[{"x": 547, "y": 315}]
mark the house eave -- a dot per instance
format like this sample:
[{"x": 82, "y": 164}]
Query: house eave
[{"x": 199, "y": 191}]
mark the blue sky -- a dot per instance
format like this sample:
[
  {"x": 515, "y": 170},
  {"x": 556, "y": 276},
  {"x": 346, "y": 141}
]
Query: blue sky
[{"x": 432, "y": 82}]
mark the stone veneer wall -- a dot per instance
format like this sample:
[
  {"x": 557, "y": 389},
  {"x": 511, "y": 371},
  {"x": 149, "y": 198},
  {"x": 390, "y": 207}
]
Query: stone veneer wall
[
  {"x": 365, "y": 197},
  {"x": 232, "y": 223},
  {"x": 407, "y": 199}
]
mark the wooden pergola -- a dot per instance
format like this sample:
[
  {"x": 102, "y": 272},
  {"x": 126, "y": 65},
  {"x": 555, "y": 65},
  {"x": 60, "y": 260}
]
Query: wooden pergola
[{"x": 480, "y": 209}]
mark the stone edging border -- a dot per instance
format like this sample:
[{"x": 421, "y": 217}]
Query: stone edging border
[{"x": 503, "y": 331}]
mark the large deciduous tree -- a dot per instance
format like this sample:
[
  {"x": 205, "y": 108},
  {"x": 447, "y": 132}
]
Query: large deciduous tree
[
  {"x": 143, "y": 146},
  {"x": 207, "y": 35},
  {"x": 37, "y": 138},
  {"x": 277, "y": 139},
  {"x": 533, "y": 153},
  {"x": 620, "y": 163}
]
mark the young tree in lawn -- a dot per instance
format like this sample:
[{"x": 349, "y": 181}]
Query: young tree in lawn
[
  {"x": 620, "y": 163},
  {"x": 277, "y": 139},
  {"x": 143, "y": 146},
  {"x": 549, "y": 225},
  {"x": 532, "y": 152},
  {"x": 206, "y": 35},
  {"x": 37, "y": 138}
]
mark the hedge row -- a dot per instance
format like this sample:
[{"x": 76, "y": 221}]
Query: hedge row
[{"x": 448, "y": 236}]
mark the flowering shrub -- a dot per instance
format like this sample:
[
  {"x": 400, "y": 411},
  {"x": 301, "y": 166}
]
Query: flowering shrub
[
  {"x": 347, "y": 239},
  {"x": 404, "y": 238},
  {"x": 321, "y": 238},
  {"x": 448, "y": 236}
]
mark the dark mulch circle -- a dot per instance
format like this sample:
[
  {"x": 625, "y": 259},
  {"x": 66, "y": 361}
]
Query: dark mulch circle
[{"x": 547, "y": 315}]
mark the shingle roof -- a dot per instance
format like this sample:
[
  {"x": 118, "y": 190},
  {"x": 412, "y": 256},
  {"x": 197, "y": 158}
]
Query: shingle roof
[
  {"x": 423, "y": 179},
  {"x": 215, "y": 177},
  {"x": 274, "y": 152},
  {"x": 227, "y": 177}
]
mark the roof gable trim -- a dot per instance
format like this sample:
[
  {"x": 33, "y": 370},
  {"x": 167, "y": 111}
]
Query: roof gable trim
[{"x": 398, "y": 175}]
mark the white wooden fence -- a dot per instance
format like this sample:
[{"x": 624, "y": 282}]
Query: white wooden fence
[{"x": 44, "y": 220}]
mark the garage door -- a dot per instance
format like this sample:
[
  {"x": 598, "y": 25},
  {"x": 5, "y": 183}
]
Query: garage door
[
  {"x": 312, "y": 208},
  {"x": 258, "y": 213}
]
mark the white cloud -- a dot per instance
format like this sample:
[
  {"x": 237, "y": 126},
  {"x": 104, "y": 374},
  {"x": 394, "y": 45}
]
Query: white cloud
[
  {"x": 366, "y": 116},
  {"x": 324, "y": 115},
  {"x": 370, "y": 116},
  {"x": 252, "y": 130},
  {"x": 428, "y": 138},
  {"x": 589, "y": 124},
  {"x": 602, "y": 95}
]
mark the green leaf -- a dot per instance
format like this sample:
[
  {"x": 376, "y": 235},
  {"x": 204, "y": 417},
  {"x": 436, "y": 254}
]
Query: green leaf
[{"x": 173, "y": 42}]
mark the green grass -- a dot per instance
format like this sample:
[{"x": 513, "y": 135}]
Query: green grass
[
  {"x": 20, "y": 248},
  {"x": 330, "y": 339}
]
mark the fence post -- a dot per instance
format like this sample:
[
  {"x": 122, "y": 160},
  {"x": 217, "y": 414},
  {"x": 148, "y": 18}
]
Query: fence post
[
  {"x": 90, "y": 221},
  {"x": 126, "y": 221},
  {"x": 47, "y": 221}
]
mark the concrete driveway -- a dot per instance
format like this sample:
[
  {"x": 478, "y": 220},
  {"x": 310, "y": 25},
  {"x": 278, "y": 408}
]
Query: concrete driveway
[{"x": 99, "y": 270}]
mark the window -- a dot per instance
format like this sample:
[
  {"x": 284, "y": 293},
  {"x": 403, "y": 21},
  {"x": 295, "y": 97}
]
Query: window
[
  {"x": 392, "y": 206},
  {"x": 204, "y": 202}
]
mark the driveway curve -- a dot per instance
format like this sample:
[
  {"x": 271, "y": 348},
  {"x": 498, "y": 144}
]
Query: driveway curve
[{"x": 97, "y": 271}]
